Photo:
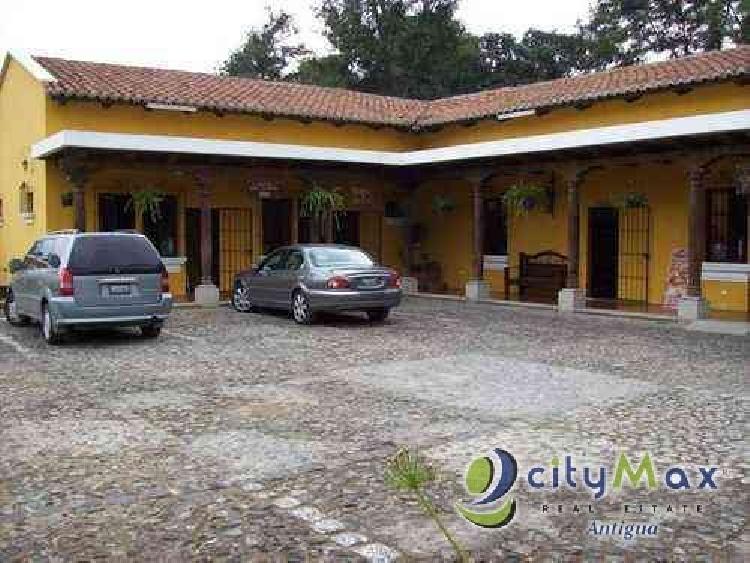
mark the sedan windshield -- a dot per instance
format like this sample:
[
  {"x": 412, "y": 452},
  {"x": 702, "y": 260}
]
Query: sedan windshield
[{"x": 338, "y": 257}]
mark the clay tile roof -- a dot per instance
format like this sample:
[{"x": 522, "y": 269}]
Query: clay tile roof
[
  {"x": 705, "y": 67},
  {"x": 140, "y": 85}
]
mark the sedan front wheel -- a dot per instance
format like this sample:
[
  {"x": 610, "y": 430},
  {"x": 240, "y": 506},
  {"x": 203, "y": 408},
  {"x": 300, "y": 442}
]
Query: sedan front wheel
[{"x": 241, "y": 298}]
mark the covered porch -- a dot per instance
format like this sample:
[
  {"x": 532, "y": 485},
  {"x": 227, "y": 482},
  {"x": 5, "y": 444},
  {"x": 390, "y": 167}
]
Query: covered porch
[
  {"x": 656, "y": 227},
  {"x": 651, "y": 214},
  {"x": 215, "y": 216}
]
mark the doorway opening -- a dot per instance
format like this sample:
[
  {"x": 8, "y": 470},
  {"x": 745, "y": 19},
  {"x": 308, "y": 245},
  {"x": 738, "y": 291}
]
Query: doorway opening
[
  {"x": 277, "y": 223},
  {"x": 603, "y": 252}
]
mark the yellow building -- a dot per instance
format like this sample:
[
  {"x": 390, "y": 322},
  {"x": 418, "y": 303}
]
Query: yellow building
[{"x": 628, "y": 186}]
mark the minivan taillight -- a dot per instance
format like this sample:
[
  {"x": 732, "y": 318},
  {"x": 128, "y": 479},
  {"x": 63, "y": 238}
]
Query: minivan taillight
[
  {"x": 164, "y": 281},
  {"x": 338, "y": 282},
  {"x": 66, "y": 283},
  {"x": 394, "y": 280}
]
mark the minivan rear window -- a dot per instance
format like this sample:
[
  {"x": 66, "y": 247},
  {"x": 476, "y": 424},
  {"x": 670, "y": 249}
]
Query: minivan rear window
[{"x": 115, "y": 254}]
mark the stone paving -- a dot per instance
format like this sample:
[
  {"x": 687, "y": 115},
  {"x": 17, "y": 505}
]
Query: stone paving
[{"x": 246, "y": 437}]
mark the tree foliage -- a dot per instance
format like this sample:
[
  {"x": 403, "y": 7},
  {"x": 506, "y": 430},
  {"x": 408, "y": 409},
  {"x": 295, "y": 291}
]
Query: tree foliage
[
  {"x": 419, "y": 49},
  {"x": 629, "y": 31},
  {"x": 266, "y": 53},
  {"x": 410, "y": 48}
]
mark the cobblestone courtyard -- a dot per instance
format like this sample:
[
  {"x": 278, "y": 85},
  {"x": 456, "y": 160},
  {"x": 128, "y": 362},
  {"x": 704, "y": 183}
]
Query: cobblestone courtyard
[{"x": 234, "y": 436}]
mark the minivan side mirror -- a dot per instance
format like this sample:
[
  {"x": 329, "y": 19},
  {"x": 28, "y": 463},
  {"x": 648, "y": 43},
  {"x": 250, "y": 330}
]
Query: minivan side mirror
[
  {"x": 16, "y": 265},
  {"x": 53, "y": 260}
]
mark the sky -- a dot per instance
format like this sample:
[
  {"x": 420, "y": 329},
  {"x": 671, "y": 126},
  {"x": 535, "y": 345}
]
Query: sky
[{"x": 198, "y": 35}]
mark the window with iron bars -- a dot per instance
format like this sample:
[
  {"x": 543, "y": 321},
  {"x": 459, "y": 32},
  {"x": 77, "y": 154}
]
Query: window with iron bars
[{"x": 727, "y": 225}]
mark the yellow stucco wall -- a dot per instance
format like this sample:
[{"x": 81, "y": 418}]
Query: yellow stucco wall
[
  {"x": 22, "y": 102},
  {"x": 665, "y": 185},
  {"x": 661, "y": 105},
  {"x": 92, "y": 116},
  {"x": 447, "y": 235},
  {"x": 727, "y": 295}
]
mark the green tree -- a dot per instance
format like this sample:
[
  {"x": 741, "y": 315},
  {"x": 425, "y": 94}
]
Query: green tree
[
  {"x": 411, "y": 48},
  {"x": 539, "y": 55},
  {"x": 628, "y": 31},
  {"x": 266, "y": 52}
]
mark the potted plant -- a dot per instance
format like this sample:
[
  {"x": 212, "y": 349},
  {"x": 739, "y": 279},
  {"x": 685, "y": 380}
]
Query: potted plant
[
  {"x": 145, "y": 202},
  {"x": 522, "y": 198},
  {"x": 321, "y": 206}
]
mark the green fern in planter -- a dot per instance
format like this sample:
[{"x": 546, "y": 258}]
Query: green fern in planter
[
  {"x": 321, "y": 205},
  {"x": 521, "y": 199},
  {"x": 144, "y": 202}
]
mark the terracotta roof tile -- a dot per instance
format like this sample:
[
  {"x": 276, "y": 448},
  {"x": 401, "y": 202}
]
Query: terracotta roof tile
[
  {"x": 140, "y": 85},
  {"x": 705, "y": 67}
]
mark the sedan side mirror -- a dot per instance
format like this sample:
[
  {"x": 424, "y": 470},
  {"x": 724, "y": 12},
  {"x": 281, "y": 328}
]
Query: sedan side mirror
[
  {"x": 53, "y": 260},
  {"x": 16, "y": 265}
]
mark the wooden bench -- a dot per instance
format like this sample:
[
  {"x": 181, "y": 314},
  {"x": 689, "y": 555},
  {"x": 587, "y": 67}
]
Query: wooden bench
[{"x": 540, "y": 276}]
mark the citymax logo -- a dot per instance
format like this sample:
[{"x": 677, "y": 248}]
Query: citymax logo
[
  {"x": 490, "y": 477},
  {"x": 676, "y": 477}
]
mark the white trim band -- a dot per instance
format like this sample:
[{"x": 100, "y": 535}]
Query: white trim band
[
  {"x": 610, "y": 135},
  {"x": 722, "y": 271}
]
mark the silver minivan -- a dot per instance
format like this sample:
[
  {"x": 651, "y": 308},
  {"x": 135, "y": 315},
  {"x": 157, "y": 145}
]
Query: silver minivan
[{"x": 71, "y": 280}]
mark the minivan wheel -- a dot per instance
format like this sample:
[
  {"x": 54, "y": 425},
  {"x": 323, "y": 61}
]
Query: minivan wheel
[
  {"x": 150, "y": 331},
  {"x": 301, "y": 309},
  {"x": 11, "y": 311},
  {"x": 378, "y": 315},
  {"x": 50, "y": 333},
  {"x": 241, "y": 298}
]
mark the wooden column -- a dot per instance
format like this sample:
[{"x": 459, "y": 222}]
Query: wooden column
[
  {"x": 202, "y": 179},
  {"x": 573, "y": 184},
  {"x": 696, "y": 247},
  {"x": 477, "y": 266},
  {"x": 295, "y": 219},
  {"x": 77, "y": 175}
]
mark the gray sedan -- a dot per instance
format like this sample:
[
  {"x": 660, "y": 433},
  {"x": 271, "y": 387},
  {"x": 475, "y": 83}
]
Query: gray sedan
[{"x": 309, "y": 278}]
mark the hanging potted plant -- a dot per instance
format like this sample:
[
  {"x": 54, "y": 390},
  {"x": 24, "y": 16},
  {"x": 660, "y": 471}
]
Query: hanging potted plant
[
  {"x": 443, "y": 204},
  {"x": 145, "y": 203},
  {"x": 521, "y": 199},
  {"x": 321, "y": 206}
]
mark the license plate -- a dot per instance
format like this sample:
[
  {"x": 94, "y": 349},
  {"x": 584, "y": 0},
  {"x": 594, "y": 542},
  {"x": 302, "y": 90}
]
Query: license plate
[
  {"x": 119, "y": 290},
  {"x": 370, "y": 282}
]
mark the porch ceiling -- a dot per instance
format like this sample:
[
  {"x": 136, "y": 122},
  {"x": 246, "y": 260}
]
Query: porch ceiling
[{"x": 681, "y": 130}]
